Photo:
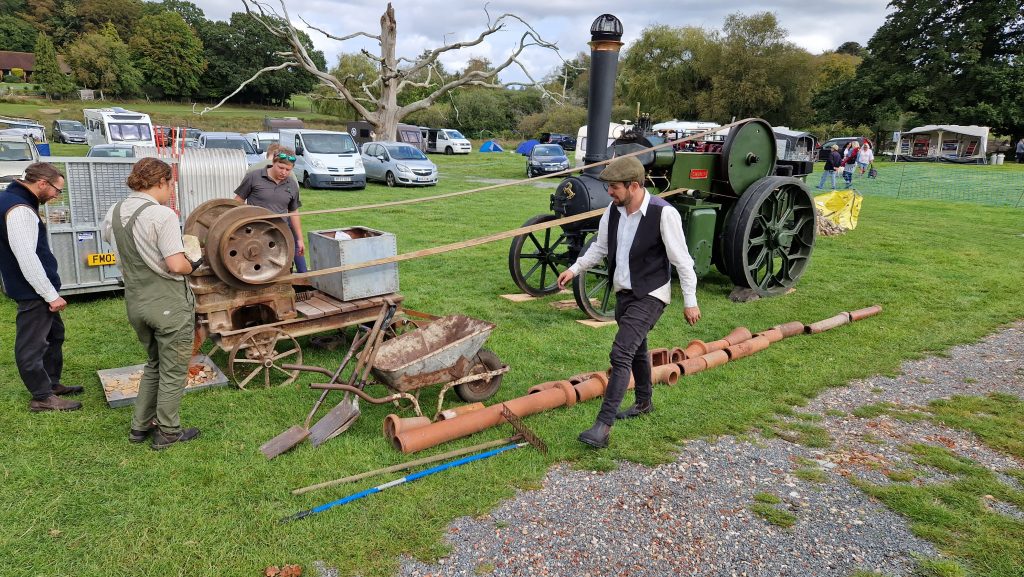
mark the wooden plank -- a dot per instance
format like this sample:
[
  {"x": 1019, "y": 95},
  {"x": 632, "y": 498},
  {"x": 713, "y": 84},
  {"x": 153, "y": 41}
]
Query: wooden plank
[
  {"x": 308, "y": 311},
  {"x": 518, "y": 298},
  {"x": 595, "y": 324},
  {"x": 323, "y": 305}
]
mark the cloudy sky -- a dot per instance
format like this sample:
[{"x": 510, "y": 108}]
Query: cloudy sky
[{"x": 815, "y": 26}]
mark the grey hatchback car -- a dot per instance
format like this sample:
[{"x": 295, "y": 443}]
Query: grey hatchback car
[{"x": 395, "y": 163}]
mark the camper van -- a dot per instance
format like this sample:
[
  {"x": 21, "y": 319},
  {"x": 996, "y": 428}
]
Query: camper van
[
  {"x": 362, "y": 132},
  {"x": 615, "y": 130},
  {"x": 118, "y": 126},
  {"x": 445, "y": 140},
  {"x": 325, "y": 159}
]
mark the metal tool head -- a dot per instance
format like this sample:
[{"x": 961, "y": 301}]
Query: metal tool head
[
  {"x": 522, "y": 430},
  {"x": 335, "y": 422},
  {"x": 283, "y": 442}
]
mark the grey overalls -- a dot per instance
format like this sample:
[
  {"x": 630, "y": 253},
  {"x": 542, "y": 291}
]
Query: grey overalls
[{"x": 162, "y": 312}]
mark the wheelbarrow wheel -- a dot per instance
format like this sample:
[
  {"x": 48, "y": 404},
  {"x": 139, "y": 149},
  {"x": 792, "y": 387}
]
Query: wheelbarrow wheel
[{"x": 477, "y": 391}]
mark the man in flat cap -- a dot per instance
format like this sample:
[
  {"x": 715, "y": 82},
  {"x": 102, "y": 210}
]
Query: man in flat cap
[{"x": 641, "y": 235}]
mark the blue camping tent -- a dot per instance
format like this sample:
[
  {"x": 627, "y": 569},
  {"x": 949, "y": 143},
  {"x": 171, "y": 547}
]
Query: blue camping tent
[
  {"x": 526, "y": 148},
  {"x": 491, "y": 146}
]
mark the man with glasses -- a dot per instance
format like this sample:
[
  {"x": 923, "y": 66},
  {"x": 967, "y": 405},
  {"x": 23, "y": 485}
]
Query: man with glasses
[
  {"x": 29, "y": 272},
  {"x": 275, "y": 189}
]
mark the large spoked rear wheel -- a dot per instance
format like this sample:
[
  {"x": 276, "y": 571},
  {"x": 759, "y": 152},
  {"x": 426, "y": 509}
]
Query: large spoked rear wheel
[
  {"x": 534, "y": 259},
  {"x": 769, "y": 235},
  {"x": 593, "y": 290}
]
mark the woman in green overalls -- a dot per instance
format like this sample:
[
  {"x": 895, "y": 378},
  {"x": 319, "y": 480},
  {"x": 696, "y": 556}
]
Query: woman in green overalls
[{"x": 161, "y": 307}]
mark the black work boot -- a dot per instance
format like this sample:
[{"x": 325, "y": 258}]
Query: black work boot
[
  {"x": 597, "y": 436},
  {"x": 163, "y": 440},
  {"x": 636, "y": 410},
  {"x": 136, "y": 436}
]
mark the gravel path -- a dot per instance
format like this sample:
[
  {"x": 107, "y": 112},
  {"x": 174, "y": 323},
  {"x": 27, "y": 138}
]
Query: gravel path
[{"x": 693, "y": 517}]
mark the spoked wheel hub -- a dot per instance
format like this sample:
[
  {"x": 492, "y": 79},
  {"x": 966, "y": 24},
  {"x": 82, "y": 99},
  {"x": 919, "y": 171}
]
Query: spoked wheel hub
[{"x": 770, "y": 235}]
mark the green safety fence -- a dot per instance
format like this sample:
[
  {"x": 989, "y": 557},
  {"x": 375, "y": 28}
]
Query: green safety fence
[{"x": 1001, "y": 185}]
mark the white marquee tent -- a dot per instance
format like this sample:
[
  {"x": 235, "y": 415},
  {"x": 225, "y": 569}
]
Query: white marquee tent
[{"x": 944, "y": 143}]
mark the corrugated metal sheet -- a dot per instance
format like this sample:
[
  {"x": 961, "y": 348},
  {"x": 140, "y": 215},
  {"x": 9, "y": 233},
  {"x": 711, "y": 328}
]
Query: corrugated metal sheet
[{"x": 203, "y": 174}]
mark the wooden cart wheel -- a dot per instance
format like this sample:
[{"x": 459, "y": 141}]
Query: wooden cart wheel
[
  {"x": 477, "y": 391},
  {"x": 257, "y": 355}
]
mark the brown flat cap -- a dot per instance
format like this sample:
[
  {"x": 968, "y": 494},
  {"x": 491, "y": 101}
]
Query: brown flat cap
[{"x": 626, "y": 169}]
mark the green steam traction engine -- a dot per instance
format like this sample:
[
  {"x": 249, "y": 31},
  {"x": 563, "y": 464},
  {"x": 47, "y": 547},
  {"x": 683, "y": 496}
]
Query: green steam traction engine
[{"x": 750, "y": 215}]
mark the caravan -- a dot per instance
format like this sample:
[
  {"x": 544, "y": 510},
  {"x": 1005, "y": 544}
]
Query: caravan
[
  {"x": 118, "y": 126},
  {"x": 325, "y": 159}
]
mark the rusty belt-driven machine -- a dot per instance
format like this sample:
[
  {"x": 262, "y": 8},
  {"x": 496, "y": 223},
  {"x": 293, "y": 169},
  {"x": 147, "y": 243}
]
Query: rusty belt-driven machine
[
  {"x": 751, "y": 216},
  {"x": 242, "y": 304}
]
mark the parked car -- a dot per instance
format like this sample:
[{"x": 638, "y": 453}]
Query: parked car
[
  {"x": 261, "y": 141},
  {"x": 231, "y": 140},
  {"x": 17, "y": 152},
  {"x": 191, "y": 136},
  {"x": 395, "y": 163},
  {"x": 68, "y": 132},
  {"x": 566, "y": 141},
  {"x": 112, "y": 151},
  {"x": 841, "y": 142},
  {"x": 545, "y": 159}
]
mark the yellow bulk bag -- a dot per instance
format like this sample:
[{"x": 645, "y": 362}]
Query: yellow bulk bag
[{"x": 842, "y": 207}]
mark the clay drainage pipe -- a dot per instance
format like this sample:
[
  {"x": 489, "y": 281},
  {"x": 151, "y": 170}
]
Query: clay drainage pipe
[
  {"x": 865, "y": 313},
  {"x": 715, "y": 359},
  {"x": 697, "y": 348},
  {"x": 693, "y": 366},
  {"x": 464, "y": 425},
  {"x": 592, "y": 388},
  {"x": 659, "y": 357},
  {"x": 773, "y": 335},
  {"x": 790, "y": 329},
  {"x": 667, "y": 374},
  {"x": 677, "y": 355},
  {"x": 455, "y": 412},
  {"x": 829, "y": 323},
  {"x": 393, "y": 424},
  {"x": 747, "y": 348}
]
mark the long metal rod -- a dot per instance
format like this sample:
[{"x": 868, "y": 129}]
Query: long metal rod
[
  {"x": 400, "y": 481},
  {"x": 404, "y": 466}
]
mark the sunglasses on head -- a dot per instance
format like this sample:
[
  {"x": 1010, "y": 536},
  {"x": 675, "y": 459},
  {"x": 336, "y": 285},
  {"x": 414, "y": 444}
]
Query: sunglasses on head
[{"x": 288, "y": 157}]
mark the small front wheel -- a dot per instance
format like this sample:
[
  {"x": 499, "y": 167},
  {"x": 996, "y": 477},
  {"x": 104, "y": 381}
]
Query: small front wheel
[{"x": 477, "y": 391}]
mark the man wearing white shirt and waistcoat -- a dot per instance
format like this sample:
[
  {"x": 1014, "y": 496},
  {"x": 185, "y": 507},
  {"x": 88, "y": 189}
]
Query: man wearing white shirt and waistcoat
[
  {"x": 30, "y": 277},
  {"x": 642, "y": 236}
]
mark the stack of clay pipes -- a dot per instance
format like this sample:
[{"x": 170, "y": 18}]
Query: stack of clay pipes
[{"x": 413, "y": 434}]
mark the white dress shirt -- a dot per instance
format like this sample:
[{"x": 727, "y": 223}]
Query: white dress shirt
[
  {"x": 22, "y": 234},
  {"x": 675, "y": 248}
]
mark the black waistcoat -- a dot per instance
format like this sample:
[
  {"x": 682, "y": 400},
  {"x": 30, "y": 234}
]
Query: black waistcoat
[{"x": 649, "y": 268}]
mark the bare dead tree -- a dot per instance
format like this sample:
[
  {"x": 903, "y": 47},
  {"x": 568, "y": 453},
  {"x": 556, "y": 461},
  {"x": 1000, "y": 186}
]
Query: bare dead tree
[{"x": 377, "y": 100}]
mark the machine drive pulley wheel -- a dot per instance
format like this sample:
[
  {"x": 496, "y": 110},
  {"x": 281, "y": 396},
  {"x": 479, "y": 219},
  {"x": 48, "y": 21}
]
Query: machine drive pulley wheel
[
  {"x": 748, "y": 155},
  {"x": 258, "y": 357},
  {"x": 536, "y": 258},
  {"x": 251, "y": 254},
  {"x": 769, "y": 235},
  {"x": 202, "y": 218},
  {"x": 593, "y": 290},
  {"x": 477, "y": 391}
]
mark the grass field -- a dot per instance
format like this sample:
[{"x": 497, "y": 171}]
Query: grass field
[
  {"x": 78, "y": 499},
  {"x": 228, "y": 117}
]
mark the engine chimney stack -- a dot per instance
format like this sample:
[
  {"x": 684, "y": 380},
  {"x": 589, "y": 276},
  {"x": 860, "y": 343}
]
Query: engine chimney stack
[{"x": 605, "y": 42}]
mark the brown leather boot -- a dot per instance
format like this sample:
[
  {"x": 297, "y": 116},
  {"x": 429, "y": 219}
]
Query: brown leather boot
[
  {"x": 61, "y": 390},
  {"x": 53, "y": 403},
  {"x": 163, "y": 440}
]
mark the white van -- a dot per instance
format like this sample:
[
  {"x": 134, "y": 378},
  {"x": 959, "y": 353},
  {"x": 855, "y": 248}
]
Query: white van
[
  {"x": 445, "y": 140},
  {"x": 117, "y": 126},
  {"x": 324, "y": 158}
]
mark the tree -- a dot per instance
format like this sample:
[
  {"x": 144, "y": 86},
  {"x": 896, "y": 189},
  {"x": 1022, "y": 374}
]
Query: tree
[
  {"x": 169, "y": 54},
  {"x": 851, "y": 48},
  {"x": 356, "y": 70},
  {"x": 48, "y": 74},
  {"x": 123, "y": 14},
  {"x": 100, "y": 60},
  {"x": 393, "y": 76},
  {"x": 239, "y": 50},
  {"x": 755, "y": 71},
  {"x": 189, "y": 12},
  {"x": 665, "y": 69},
  {"x": 944, "y": 62},
  {"x": 16, "y": 34}
]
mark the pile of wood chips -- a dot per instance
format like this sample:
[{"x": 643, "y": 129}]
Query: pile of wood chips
[
  {"x": 128, "y": 386},
  {"x": 828, "y": 228}
]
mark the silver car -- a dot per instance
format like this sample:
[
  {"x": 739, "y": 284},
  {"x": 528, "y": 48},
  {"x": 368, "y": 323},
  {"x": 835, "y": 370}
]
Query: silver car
[{"x": 395, "y": 163}]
